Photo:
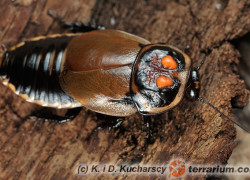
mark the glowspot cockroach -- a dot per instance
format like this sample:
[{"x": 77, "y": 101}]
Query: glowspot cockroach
[
  {"x": 108, "y": 71},
  {"x": 94, "y": 70}
]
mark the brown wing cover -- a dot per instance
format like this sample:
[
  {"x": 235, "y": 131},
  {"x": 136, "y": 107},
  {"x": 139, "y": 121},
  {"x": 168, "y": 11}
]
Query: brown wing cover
[
  {"x": 105, "y": 49},
  {"x": 98, "y": 69}
]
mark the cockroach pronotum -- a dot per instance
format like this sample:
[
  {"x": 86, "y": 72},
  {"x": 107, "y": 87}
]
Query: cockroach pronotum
[{"x": 107, "y": 71}]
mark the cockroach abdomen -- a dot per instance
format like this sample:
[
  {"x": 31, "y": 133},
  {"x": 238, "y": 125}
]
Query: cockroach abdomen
[{"x": 32, "y": 69}]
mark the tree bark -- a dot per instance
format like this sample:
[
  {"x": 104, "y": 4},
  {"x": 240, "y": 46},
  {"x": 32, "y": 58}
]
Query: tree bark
[{"x": 192, "y": 131}]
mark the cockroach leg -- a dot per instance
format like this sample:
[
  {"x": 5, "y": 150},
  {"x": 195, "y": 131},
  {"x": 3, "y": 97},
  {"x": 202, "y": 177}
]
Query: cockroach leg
[
  {"x": 149, "y": 131},
  {"x": 46, "y": 115},
  {"x": 108, "y": 122},
  {"x": 75, "y": 27}
]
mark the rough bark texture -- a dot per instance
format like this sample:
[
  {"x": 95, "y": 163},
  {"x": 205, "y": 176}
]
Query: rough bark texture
[{"x": 192, "y": 131}]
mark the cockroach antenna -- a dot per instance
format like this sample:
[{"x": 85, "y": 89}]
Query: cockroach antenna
[
  {"x": 246, "y": 128},
  {"x": 202, "y": 62}
]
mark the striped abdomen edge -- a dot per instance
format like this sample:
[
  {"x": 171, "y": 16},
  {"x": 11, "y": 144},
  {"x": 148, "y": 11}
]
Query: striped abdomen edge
[{"x": 32, "y": 70}]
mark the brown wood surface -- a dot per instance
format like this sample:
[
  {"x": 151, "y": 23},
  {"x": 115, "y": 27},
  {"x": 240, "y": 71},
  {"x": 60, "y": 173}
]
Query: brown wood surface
[{"x": 192, "y": 131}]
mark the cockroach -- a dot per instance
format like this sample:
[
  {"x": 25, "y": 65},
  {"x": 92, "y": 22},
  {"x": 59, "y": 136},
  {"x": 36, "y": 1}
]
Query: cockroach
[{"x": 107, "y": 71}]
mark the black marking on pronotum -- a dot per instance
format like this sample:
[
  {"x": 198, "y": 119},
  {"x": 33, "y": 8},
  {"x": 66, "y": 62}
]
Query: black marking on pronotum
[{"x": 34, "y": 68}]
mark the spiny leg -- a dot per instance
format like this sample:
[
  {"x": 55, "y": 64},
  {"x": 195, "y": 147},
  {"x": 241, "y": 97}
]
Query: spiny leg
[
  {"x": 75, "y": 26},
  {"x": 108, "y": 122},
  {"x": 149, "y": 131},
  {"x": 46, "y": 115}
]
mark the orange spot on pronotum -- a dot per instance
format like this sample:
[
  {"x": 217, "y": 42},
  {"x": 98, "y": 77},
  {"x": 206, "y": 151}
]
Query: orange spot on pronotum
[
  {"x": 163, "y": 81},
  {"x": 169, "y": 62}
]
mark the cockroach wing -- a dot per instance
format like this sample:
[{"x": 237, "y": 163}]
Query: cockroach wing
[
  {"x": 104, "y": 49},
  {"x": 98, "y": 69}
]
